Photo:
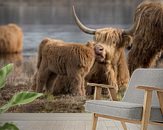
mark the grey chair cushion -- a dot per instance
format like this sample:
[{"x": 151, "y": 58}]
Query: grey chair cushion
[{"x": 125, "y": 110}]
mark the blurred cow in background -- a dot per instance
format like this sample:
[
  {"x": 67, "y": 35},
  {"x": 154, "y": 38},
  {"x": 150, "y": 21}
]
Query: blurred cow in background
[{"x": 11, "y": 39}]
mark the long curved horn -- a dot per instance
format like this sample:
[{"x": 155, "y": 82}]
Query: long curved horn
[{"x": 82, "y": 26}]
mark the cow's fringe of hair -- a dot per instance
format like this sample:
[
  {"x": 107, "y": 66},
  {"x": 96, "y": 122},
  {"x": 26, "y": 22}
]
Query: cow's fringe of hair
[
  {"x": 148, "y": 36},
  {"x": 109, "y": 36}
]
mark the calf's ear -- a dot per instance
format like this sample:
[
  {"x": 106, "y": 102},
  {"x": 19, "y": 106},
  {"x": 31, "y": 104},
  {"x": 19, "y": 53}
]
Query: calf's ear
[
  {"x": 90, "y": 44},
  {"x": 127, "y": 40}
]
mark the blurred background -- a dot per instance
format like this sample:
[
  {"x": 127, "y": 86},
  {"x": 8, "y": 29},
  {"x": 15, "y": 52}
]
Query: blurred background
[{"x": 54, "y": 19}]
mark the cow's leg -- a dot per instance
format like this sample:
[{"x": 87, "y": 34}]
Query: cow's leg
[
  {"x": 42, "y": 76},
  {"x": 75, "y": 85},
  {"x": 33, "y": 87},
  {"x": 83, "y": 86},
  {"x": 50, "y": 82},
  {"x": 59, "y": 85}
]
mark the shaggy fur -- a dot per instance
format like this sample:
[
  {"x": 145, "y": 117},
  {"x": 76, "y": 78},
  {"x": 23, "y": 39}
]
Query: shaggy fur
[
  {"x": 148, "y": 36},
  {"x": 69, "y": 60},
  {"x": 56, "y": 84},
  {"x": 113, "y": 70},
  {"x": 11, "y": 39}
]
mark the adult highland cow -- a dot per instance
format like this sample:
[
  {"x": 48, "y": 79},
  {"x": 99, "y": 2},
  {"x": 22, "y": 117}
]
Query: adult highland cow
[
  {"x": 113, "y": 70},
  {"x": 148, "y": 35},
  {"x": 11, "y": 39},
  {"x": 64, "y": 59}
]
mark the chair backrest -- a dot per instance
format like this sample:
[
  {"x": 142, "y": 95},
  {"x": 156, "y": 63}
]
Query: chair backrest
[{"x": 143, "y": 77}]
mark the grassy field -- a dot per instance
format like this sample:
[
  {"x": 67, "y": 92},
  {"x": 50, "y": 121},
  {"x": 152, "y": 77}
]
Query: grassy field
[{"x": 21, "y": 80}]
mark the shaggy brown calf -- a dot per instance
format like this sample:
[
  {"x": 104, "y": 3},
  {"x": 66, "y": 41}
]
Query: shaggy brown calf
[
  {"x": 11, "y": 39},
  {"x": 70, "y": 60},
  {"x": 110, "y": 66},
  {"x": 148, "y": 35},
  {"x": 113, "y": 70}
]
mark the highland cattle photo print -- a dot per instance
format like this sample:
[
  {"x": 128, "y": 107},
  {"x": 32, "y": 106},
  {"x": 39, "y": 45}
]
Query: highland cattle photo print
[{"x": 81, "y": 65}]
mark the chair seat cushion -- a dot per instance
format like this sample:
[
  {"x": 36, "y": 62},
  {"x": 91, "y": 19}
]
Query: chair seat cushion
[{"x": 125, "y": 110}]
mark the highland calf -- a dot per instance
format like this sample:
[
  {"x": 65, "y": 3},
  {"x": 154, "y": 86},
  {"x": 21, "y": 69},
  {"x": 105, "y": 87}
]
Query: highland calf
[
  {"x": 70, "y": 60},
  {"x": 11, "y": 39}
]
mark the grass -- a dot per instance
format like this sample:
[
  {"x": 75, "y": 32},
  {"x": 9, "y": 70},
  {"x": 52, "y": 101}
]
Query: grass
[{"x": 21, "y": 79}]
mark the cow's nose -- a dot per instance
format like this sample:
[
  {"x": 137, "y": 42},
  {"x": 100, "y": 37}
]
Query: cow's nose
[{"x": 99, "y": 48}]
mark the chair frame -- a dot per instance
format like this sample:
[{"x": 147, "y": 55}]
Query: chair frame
[
  {"x": 146, "y": 106},
  {"x": 98, "y": 90}
]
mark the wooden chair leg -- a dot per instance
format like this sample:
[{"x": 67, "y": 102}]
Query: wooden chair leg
[
  {"x": 97, "y": 93},
  {"x": 160, "y": 98},
  {"x": 113, "y": 94},
  {"x": 146, "y": 110},
  {"x": 94, "y": 121},
  {"x": 110, "y": 96},
  {"x": 124, "y": 125}
]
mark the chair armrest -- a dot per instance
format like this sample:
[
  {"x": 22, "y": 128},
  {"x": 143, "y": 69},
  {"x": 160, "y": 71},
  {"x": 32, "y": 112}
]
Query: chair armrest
[
  {"x": 101, "y": 85},
  {"x": 147, "y": 88},
  {"x": 148, "y": 101}
]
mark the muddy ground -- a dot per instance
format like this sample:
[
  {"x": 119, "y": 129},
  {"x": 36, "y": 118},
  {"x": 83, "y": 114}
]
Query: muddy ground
[
  {"x": 21, "y": 79},
  {"x": 47, "y": 103}
]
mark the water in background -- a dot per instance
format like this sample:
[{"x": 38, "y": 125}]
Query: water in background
[
  {"x": 34, "y": 34},
  {"x": 54, "y": 18},
  {"x": 60, "y": 11}
]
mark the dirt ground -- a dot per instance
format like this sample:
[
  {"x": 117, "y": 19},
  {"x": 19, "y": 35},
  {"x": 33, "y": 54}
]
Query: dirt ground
[
  {"x": 47, "y": 103},
  {"x": 21, "y": 80}
]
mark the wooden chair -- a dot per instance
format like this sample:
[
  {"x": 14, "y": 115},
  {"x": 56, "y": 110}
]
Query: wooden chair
[
  {"x": 98, "y": 91},
  {"x": 138, "y": 106}
]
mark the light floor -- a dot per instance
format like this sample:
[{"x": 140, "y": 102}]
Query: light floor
[{"x": 58, "y": 121}]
